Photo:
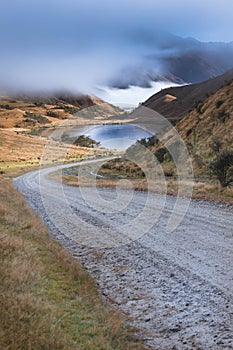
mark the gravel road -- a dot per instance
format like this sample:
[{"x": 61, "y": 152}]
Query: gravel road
[{"x": 176, "y": 288}]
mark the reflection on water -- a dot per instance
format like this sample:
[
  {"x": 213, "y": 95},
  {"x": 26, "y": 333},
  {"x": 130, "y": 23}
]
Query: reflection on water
[{"x": 114, "y": 136}]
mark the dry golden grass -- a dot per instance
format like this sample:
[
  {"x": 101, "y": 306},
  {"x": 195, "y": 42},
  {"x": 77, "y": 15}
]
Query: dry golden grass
[
  {"x": 213, "y": 192},
  {"x": 14, "y": 117},
  {"x": 12, "y": 112},
  {"x": 210, "y": 122},
  {"x": 205, "y": 190},
  {"x": 21, "y": 153},
  {"x": 47, "y": 300}
]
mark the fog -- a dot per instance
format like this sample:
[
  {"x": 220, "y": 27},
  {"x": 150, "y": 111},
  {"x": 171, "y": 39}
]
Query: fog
[
  {"x": 130, "y": 98},
  {"x": 78, "y": 45}
]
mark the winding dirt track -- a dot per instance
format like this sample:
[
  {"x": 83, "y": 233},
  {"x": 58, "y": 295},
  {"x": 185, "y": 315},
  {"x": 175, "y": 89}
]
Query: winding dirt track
[{"x": 175, "y": 287}]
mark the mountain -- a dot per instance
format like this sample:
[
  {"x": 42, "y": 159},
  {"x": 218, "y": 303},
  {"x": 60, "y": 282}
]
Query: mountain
[
  {"x": 207, "y": 130},
  {"x": 63, "y": 97},
  {"x": 32, "y": 111},
  {"x": 176, "y": 102},
  {"x": 167, "y": 57}
]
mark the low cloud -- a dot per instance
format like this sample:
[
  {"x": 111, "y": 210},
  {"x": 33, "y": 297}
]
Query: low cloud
[{"x": 54, "y": 45}]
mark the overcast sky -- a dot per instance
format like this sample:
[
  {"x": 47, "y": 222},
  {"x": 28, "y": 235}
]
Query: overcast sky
[{"x": 77, "y": 43}]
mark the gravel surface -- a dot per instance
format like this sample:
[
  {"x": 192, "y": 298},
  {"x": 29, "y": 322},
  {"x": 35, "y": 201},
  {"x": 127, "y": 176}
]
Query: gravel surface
[{"x": 176, "y": 288}]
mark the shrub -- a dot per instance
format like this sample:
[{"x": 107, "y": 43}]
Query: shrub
[
  {"x": 70, "y": 109},
  {"x": 86, "y": 141},
  {"x": 38, "y": 104},
  {"x": 222, "y": 115},
  {"x": 218, "y": 103},
  {"x": 6, "y": 107},
  {"x": 149, "y": 141},
  {"x": 216, "y": 145},
  {"x": 160, "y": 154},
  {"x": 82, "y": 141},
  {"x": 222, "y": 168},
  {"x": 31, "y": 117},
  {"x": 52, "y": 114}
]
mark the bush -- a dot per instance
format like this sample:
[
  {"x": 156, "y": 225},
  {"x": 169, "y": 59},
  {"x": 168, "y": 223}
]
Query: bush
[
  {"x": 6, "y": 107},
  {"x": 70, "y": 109},
  {"x": 218, "y": 103},
  {"x": 31, "y": 117},
  {"x": 222, "y": 115},
  {"x": 222, "y": 168},
  {"x": 38, "y": 104},
  {"x": 149, "y": 141},
  {"x": 52, "y": 114},
  {"x": 160, "y": 154},
  {"x": 82, "y": 141},
  {"x": 86, "y": 141},
  {"x": 216, "y": 145}
]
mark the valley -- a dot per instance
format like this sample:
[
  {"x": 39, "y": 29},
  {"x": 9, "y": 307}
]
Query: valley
[
  {"x": 116, "y": 175},
  {"x": 161, "y": 256},
  {"x": 205, "y": 127}
]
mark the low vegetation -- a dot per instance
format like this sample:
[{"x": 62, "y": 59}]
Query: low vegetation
[
  {"x": 222, "y": 168},
  {"x": 51, "y": 110},
  {"x": 82, "y": 141},
  {"x": 33, "y": 118},
  {"x": 23, "y": 152},
  {"x": 122, "y": 169},
  {"x": 47, "y": 300}
]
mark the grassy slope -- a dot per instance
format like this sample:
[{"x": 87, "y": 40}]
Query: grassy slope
[
  {"x": 47, "y": 300},
  {"x": 185, "y": 98},
  {"x": 210, "y": 122},
  {"x": 23, "y": 152},
  {"x": 52, "y": 109}
]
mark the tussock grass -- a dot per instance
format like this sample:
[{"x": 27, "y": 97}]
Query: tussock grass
[
  {"x": 47, "y": 300},
  {"x": 203, "y": 190}
]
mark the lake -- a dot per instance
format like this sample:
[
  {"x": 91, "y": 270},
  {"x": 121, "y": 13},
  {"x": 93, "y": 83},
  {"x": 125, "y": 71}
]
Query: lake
[{"x": 114, "y": 136}]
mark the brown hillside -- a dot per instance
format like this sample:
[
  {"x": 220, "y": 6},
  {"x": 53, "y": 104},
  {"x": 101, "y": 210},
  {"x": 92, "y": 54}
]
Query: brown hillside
[
  {"x": 185, "y": 98},
  {"x": 207, "y": 129},
  {"x": 29, "y": 112},
  {"x": 209, "y": 125}
]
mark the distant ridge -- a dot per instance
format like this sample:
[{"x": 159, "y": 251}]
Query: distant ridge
[
  {"x": 175, "y": 59},
  {"x": 25, "y": 110},
  {"x": 176, "y": 102},
  {"x": 65, "y": 97}
]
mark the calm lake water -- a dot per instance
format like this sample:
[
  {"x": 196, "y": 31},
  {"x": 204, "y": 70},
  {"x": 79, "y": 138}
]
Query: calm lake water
[{"x": 114, "y": 136}]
